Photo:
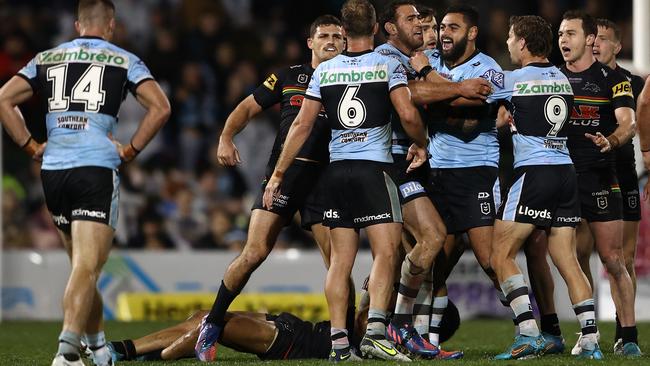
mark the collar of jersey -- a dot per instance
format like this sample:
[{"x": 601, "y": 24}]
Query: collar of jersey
[
  {"x": 355, "y": 54},
  {"x": 476, "y": 52},
  {"x": 540, "y": 64},
  {"x": 91, "y": 37}
]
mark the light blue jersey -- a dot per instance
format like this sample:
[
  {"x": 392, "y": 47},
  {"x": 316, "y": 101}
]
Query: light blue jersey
[
  {"x": 355, "y": 88},
  {"x": 400, "y": 140},
  {"x": 449, "y": 151},
  {"x": 541, "y": 99},
  {"x": 82, "y": 83}
]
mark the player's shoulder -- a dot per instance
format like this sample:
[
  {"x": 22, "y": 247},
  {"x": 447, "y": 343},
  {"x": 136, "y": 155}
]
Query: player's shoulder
[
  {"x": 481, "y": 61},
  {"x": 486, "y": 67}
]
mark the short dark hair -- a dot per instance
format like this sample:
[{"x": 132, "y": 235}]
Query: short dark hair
[
  {"x": 588, "y": 22},
  {"x": 536, "y": 31},
  {"x": 425, "y": 11},
  {"x": 608, "y": 24},
  {"x": 390, "y": 13},
  {"x": 470, "y": 14},
  {"x": 326, "y": 19},
  {"x": 86, "y": 7},
  {"x": 358, "y": 18}
]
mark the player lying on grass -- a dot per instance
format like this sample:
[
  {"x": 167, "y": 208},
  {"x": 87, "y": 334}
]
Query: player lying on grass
[{"x": 270, "y": 337}]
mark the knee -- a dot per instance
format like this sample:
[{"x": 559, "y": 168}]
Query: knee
[
  {"x": 614, "y": 264},
  {"x": 252, "y": 258}
]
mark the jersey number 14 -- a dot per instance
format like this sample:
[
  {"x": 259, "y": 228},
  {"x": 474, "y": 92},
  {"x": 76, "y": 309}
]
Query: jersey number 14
[{"x": 87, "y": 90}]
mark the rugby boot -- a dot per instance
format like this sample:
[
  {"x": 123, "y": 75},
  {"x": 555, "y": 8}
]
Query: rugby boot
[
  {"x": 590, "y": 354},
  {"x": 377, "y": 346},
  {"x": 524, "y": 347},
  {"x": 449, "y": 355},
  {"x": 631, "y": 350},
  {"x": 407, "y": 337},
  {"x": 67, "y": 360},
  {"x": 552, "y": 344},
  {"x": 343, "y": 355},
  {"x": 206, "y": 345}
]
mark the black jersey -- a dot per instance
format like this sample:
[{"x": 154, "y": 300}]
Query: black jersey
[
  {"x": 287, "y": 87},
  {"x": 298, "y": 339},
  {"x": 598, "y": 91},
  {"x": 625, "y": 153}
]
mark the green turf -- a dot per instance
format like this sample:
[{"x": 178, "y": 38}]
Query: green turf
[{"x": 33, "y": 343}]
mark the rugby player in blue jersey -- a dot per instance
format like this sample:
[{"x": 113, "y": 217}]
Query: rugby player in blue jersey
[
  {"x": 357, "y": 90},
  {"x": 544, "y": 193},
  {"x": 82, "y": 84}
]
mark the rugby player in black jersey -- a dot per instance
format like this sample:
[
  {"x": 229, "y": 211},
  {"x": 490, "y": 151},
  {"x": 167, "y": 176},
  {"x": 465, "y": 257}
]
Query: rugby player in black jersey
[
  {"x": 602, "y": 120},
  {"x": 298, "y": 189},
  {"x": 606, "y": 47}
]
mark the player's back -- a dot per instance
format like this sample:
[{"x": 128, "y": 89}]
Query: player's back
[
  {"x": 541, "y": 101},
  {"x": 355, "y": 90},
  {"x": 82, "y": 84}
]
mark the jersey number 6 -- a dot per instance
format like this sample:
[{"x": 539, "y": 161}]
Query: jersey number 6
[{"x": 351, "y": 111}]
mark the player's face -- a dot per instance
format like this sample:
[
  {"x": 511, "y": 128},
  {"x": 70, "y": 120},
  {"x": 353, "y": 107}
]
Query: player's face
[
  {"x": 327, "y": 42},
  {"x": 606, "y": 46},
  {"x": 514, "y": 47},
  {"x": 572, "y": 40},
  {"x": 429, "y": 33},
  {"x": 409, "y": 26},
  {"x": 453, "y": 36}
]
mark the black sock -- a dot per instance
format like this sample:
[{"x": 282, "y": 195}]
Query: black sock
[
  {"x": 551, "y": 324},
  {"x": 125, "y": 348},
  {"x": 221, "y": 304},
  {"x": 617, "y": 335},
  {"x": 629, "y": 334},
  {"x": 71, "y": 357},
  {"x": 151, "y": 356}
]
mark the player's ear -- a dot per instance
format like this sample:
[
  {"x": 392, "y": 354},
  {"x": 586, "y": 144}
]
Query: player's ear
[
  {"x": 591, "y": 38},
  {"x": 473, "y": 33},
  {"x": 375, "y": 29},
  {"x": 77, "y": 26},
  {"x": 389, "y": 27},
  {"x": 617, "y": 48},
  {"x": 310, "y": 43}
]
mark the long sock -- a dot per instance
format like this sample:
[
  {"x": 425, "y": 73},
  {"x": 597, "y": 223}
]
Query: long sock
[
  {"x": 339, "y": 338},
  {"x": 125, "y": 347},
  {"x": 376, "y": 322},
  {"x": 516, "y": 293},
  {"x": 349, "y": 318},
  {"x": 437, "y": 310},
  {"x": 618, "y": 335},
  {"x": 410, "y": 279},
  {"x": 69, "y": 344},
  {"x": 97, "y": 344},
  {"x": 630, "y": 334},
  {"x": 506, "y": 303},
  {"x": 221, "y": 304},
  {"x": 586, "y": 314},
  {"x": 422, "y": 307},
  {"x": 551, "y": 324}
]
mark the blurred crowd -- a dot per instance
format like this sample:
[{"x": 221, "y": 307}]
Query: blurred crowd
[{"x": 207, "y": 55}]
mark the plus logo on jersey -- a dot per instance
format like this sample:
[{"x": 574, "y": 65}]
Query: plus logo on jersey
[{"x": 585, "y": 115}]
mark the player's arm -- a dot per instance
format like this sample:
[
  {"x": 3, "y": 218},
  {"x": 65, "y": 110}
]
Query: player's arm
[
  {"x": 643, "y": 118},
  {"x": 413, "y": 126},
  {"x": 296, "y": 137},
  {"x": 227, "y": 153},
  {"x": 154, "y": 100},
  {"x": 16, "y": 91}
]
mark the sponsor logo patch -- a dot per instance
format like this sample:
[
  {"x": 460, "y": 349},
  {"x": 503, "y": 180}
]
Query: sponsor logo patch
[{"x": 411, "y": 188}]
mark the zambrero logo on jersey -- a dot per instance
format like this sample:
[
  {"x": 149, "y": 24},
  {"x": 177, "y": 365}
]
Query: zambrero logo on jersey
[
  {"x": 80, "y": 54},
  {"x": 542, "y": 87},
  {"x": 621, "y": 89},
  {"x": 385, "y": 215},
  {"x": 361, "y": 74}
]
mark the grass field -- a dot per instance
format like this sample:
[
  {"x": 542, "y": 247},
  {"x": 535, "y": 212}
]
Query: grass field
[{"x": 33, "y": 343}]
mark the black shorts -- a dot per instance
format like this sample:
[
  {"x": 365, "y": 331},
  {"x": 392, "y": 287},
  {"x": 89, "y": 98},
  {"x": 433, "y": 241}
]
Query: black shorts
[
  {"x": 298, "y": 192},
  {"x": 600, "y": 194},
  {"x": 298, "y": 339},
  {"x": 411, "y": 185},
  {"x": 543, "y": 195},
  {"x": 360, "y": 193},
  {"x": 86, "y": 193},
  {"x": 629, "y": 183},
  {"x": 465, "y": 197}
]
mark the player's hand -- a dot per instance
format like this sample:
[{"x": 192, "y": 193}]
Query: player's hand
[
  {"x": 477, "y": 88},
  {"x": 417, "y": 156},
  {"x": 271, "y": 190},
  {"x": 601, "y": 141},
  {"x": 227, "y": 153},
  {"x": 419, "y": 61},
  {"x": 127, "y": 153},
  {"x": 35, "y": 150}
]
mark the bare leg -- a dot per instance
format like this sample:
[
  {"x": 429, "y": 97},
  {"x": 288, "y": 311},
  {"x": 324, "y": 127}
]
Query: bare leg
[
  {"x": 344, "y": 246},
  {"x": 384, "y": 242},
  {"x": 584, "y": 248},
  {"x": 481, "y": 240},
  {"x": 539, "y": 272},
  {"x": 630, "y": 234},
  {"x": 323, "y": 240}
]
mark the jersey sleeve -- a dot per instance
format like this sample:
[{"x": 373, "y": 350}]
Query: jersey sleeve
[
  {"x": 137, "y": 73},
  {"x": 396, "y": 75},
  {"x": 313, "y": 90},
  {"x": 29, "y": 73},
  {"x": 509, "y": 79},
  {"x": 621, "y": 91},
  {"x": 492, "y": 72},
  {"x": 269, "y": 92}
]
